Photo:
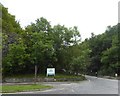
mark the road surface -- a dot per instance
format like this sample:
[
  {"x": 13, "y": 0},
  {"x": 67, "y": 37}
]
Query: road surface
[{"x": 92, "y": 85}]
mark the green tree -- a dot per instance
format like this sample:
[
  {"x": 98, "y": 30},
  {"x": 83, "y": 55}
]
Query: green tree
[
  {"x": 11, "y": 31},
  {"x": 14, "y": 61},
  {"x": 81, "y": 61},
  {"x": 110, "y": 58}
]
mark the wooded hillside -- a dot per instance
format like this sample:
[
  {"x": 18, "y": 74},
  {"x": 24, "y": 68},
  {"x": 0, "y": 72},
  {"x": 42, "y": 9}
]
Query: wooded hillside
[{"x": 58, "y": 46}]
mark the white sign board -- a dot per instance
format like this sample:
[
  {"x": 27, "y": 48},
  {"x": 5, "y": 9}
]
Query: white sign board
[{"x": 50, "y": 71}]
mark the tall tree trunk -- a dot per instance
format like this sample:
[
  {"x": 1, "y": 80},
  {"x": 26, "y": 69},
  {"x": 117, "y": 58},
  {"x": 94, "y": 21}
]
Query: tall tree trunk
[{"x": 35, "y": 74}]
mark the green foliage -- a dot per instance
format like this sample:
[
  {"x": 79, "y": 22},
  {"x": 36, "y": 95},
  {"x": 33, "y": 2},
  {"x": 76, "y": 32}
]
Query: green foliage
[
  {"x": 110, "y": 56},
  {"x": 10, "y": 39},
  {"x": 14, "y": 61},
  {"x": 104, "y": 55},
  {"x": 81, "y": 61},
  {"x": 58, "y": 46}
]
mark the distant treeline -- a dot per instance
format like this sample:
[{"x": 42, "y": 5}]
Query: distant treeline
[{"x": 58, "y": 46}]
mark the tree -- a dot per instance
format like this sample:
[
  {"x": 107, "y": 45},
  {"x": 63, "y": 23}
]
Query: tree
[
  {"x": 58, "y": 46},
  {"x": 40, "y": 43},
  {"x": 14, "y": 61},
  {"x": 11, "y": 31},
  {"x": 81, "y": 61},
  {"x": 110, "y": 58}
]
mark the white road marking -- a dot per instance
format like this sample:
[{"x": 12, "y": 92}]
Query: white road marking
[
  {"x": 73, "y": 90},
  {"x": 108, "y": 79},
  {"x": 65, "y": 84},
  {"x": 89, "y": 80},
  {"x": 53, "y": 90}
]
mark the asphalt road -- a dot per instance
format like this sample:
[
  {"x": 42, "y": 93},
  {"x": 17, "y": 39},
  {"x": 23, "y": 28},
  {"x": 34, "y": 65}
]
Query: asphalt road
[{"x": 92, "y": 85}]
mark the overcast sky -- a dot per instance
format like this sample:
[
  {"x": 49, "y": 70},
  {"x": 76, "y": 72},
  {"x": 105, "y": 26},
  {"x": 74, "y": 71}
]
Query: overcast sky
[{"x": 89, "y": 15}]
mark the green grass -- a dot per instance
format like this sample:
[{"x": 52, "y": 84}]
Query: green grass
[
  {"x": 66, "y": 76},
  {"x": 22, "y": 88},
  {"x": 43, "y": 76},
  {"x": 0, "y": 88},
  {"x": 21, "y": 76},
  {"x": 58, "y": 76},
  {"x": 26, "y": 76},
  {"x": 63, "y": 77}
]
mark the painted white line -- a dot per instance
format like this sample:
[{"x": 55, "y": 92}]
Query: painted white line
[
  {"x": 108, "y": 79},
  {"x": 89, "y": 80},
  {"x": 65, "y": 84},
  {"x": 53, "y": 90},
  {"x": 73, "y": 90}
]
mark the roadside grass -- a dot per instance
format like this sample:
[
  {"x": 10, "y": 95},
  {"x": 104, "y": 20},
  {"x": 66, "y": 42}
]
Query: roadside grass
[
  {"x": 0, "y": 88},
  {"x": 57, "y": 76},
  {"x": 66, "y": 76},
  {"x": 21, "y": 76},
  {"x": 22, "y": 88}
]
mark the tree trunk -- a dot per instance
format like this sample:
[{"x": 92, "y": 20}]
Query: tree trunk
[{"x": 35, "y": 74}]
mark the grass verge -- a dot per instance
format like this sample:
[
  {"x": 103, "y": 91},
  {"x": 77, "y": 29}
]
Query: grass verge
[
  {"x": 64, "y": 78},
  {"x": 43, "y": 77},
  {"x": 22, "y": 88}
]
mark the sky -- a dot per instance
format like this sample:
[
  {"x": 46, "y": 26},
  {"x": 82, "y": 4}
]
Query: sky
[{"x": 88, "y": 15}]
